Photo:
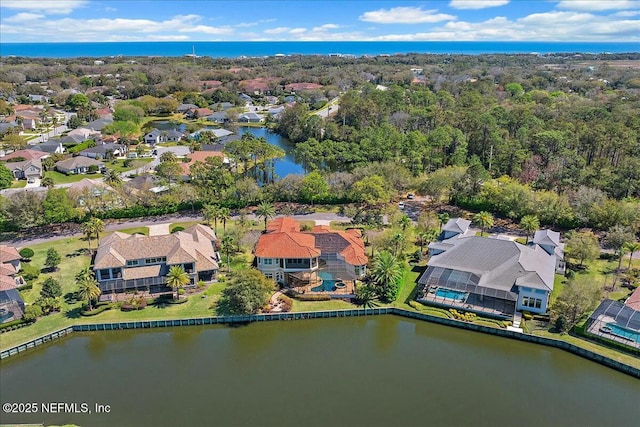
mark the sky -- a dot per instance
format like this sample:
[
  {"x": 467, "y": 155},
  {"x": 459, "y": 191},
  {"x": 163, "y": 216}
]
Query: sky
[{"x": 312, "y": 20}]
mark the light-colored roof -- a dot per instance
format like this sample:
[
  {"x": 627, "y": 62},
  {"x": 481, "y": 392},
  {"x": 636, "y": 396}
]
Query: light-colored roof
[
  {"x": 499, "y": 263},
  {"x": 457, "y": 225},
  {"x": 8, "y": 254},
  {"x": 141, "y": 272},
  {"x": 546, "y": 237},
  {"x": 195, "y": 244},
  {"x": 89, "y": 184},
  {"x": 7, "y": 269},
  {"x": 7, "y": 283},
  {"x": 76, "y": 162},
  {"x": 198, "y": 156}
]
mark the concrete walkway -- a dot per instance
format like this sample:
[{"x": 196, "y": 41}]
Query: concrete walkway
[{"x": 159, "y": 229}]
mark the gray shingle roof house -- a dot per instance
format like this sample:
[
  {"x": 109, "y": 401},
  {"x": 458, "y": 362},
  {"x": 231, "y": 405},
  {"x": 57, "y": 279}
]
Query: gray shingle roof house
[
  {"x": 250, "y": 118},
  {"x": 73, "y": 139},
  {"x": 183, "y": 108},
  {"x": 52, "y": 146},
  {"x": 157, "y": 136},
  {"x": 26, "y": 169},
  {"x": 101, "y": 151},
  {"x": 125, "y": 261},
  {"x": 490, "y": 275},
  {"x": 76, "y": 165},
  {"x": 218, "y": 117},
  {"x": 550, "y": 242}
]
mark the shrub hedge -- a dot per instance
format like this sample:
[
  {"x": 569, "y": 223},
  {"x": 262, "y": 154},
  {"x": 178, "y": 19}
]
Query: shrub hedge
[
  {"x": 308, "y": 297},
  {"x": 13, "y": 325},
  {"x": 99, "y": 309},
  {"x": 26, "y": 253},
  {"x": 25, "y": 287}
]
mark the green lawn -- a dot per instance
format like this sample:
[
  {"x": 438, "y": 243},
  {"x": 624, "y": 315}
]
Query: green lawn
[
  {"x": 134, "y": 164},
  {"x": 134, "y": 230},
  {"x": 60, "y": 178},
  {"x": 18, "y": 184}
]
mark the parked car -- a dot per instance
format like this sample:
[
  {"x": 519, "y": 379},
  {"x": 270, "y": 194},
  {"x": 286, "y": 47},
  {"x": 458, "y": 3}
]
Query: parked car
[
  {"x": 401, "y": 205},
  {"x": 410, "y": 196}
]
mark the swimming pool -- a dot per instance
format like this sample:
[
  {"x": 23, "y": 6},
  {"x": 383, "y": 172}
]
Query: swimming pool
[
  {"x": 451, "y": 294},
  {"x": 624, "y": 332},
  {"x": 328, "y": 282}
]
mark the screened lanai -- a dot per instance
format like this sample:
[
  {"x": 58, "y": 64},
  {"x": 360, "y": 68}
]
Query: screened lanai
[
  {"x": 460, "y": 289},
  {"x": 615, "y": 321}
]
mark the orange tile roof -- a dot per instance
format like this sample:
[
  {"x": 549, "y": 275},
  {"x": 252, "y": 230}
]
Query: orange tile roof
[
  {"x": 285, "y": 240},
  {"x": 8, "y": 254},
  {"x": 284, "y": 223},
  {"x": 198, "y": 156},
  {"x": 286, "y": 245},
  {"x": 27, "y": 154},
  {"x": 7, "y": 283},
  {"x": 634, "y": 300}
]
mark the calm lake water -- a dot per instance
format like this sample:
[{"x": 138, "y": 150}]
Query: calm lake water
[
  {"x": 382, "y": 371},
  {"x": 285, "y": 165}
]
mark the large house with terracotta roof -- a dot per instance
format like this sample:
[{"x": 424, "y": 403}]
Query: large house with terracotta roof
[
  {"x": 321, "y": 256},
  {"x": 136, "y": 262},
  {"x": 11, "y": 303}
]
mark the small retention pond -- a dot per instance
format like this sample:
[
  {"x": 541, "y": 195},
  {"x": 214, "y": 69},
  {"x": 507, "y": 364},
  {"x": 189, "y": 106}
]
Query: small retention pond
[{"x": 382, "y": 371}]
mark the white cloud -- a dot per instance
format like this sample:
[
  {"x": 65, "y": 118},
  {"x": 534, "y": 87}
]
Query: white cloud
[
  {"x": 168, "y": 38},
  {"x": 627, "y": 13},
  {"x": 105, "y": 29},
  {"x": 278, "y": 30},
  {"x": 206, "y": 29},
  {"x": 326, "y": 27},
  {"x": 598, "y": 5},
  {"x": 253, "y": 24},
  {"x": 405, "y": 15},
  {"x": 550, "y": 26},
  {"x": 54, "y": 7},
  {"x": 297, "y": 31},
  {"x": 476, "y": 4},
  {"x": 24, "y": 17}
]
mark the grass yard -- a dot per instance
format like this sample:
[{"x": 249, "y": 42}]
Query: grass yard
[
  {"x": 19, "y": 184},
  {"x": 134, "y": 230},
  {"x": 60, "y": 178},
  {"x": 134, "y": 164}
]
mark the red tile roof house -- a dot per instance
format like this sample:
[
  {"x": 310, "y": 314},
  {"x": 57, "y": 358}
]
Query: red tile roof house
[
  {"x": 126, "y": 262},
  {"x": 320, "y": 260},
  {"x": 11, "y": 303}
]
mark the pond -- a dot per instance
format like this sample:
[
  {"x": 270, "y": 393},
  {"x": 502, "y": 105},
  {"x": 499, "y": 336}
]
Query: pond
[
  {"x": 285, "y": 165},
  {"x": 375, "y": 371}
]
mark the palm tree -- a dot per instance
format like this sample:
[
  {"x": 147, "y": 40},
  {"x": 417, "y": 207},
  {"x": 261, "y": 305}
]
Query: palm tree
[
  {"x": 404, "y": 222},
  {"x": 386, "y": 270},
  {"x": 211, "y": 213},
  {"x": 177, "y": 278},
  {"x": 88, "y": 289},
  {"x": 228, "y": 245},
  {"x": 426, "y": 237},
  {"x": 443, "y": 218},
  {"x": 224, "y": 214},
  {"x": 631, "y": 247},
  {"x": 398, "y": 239},
  {"x": 267, "y": 211},
  {"x": 92, "y": 227},
  {"x": 112, "y": 178},
  {"x": 529, "y": 223},
  {"x": 366, "y": 297},
  {"x": 484, "y": 219}
]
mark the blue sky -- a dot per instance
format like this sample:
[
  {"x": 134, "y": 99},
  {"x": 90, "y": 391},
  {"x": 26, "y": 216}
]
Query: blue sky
[{"x": 265, "y": 20}]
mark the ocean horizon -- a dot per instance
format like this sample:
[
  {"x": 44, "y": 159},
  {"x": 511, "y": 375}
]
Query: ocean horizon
[{"x": 270, "y": 48}]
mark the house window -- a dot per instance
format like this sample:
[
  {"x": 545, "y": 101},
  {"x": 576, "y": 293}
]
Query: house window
[
  {"x": 538, "y": 303},
  {"x": 267, "y": 261},
  {"x": 525, "y": 301},
  {"x": 133, "y": 262},
  {"x": 104, "y": 274},
  {"x": 155, "y": 260},
  {"x": 268, "y": 275}
]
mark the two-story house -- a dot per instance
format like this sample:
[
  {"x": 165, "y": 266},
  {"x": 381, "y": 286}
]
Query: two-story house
[
  {"x": 126, "y": 262},
  {"x": 299, "y": 258}
]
